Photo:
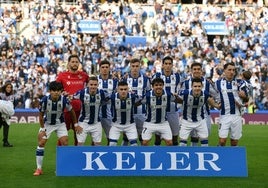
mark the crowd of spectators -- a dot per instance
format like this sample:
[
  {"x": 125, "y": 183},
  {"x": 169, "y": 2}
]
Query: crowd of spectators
[{"x": 31, "y": 61}]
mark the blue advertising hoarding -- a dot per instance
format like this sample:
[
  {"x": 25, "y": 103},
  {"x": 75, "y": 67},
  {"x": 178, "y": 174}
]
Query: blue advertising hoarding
[
  {"x": 215, "y": 28},
  {"x": 151, "y": 161},
  {"x": 89, "y": 26},
  {"x": 132, "y": 40}
]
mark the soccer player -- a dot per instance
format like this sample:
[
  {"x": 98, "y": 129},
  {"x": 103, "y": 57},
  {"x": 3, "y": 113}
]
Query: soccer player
[
  {"x": 73, "y": 80},
  {"x": 208, "y": 86},
  {"x": 122, "y": 105},
  {"x": 158, "y": 103},
  {"x": 194, "y": 112},
  {"x": 108, "y": 84},
  {"x": 138, "y": 84},
  {"x": 51, "y": 120},
  {"x": 172, "y": 82},
  {"x": 230, "y": 116},
  {"x": 89, "y": 123}
]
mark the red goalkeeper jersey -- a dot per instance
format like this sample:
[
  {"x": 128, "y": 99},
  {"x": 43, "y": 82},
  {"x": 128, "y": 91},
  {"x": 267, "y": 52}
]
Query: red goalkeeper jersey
[{"x": 73, "y": 82}]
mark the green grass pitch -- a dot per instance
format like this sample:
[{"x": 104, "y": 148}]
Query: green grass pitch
[{"x": 17, "y": 165}]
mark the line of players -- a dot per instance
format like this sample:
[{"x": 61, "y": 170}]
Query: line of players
[{"x": 140, "y": 107}]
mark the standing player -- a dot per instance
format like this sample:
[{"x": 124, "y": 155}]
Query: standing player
[
  {"x": 51, "y": 120},
  {"x": 138, "y": 84},
  {"x": 158, "y": 103},
  {"x": 171, "y": 85},
  {"x": 108, "y": 84},
  {"x": 230, "y": 115},
  {"x": 122, "y": 106},
  {"x": 196, "y": 72},
  {"x": 92, "y": 98},
  {"x": 73, "y": 80},
  {"x": 194, "y": 112}
]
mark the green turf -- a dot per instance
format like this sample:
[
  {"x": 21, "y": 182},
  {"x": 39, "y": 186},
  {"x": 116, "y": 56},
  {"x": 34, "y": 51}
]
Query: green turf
[{"x": 18, "y": 163}]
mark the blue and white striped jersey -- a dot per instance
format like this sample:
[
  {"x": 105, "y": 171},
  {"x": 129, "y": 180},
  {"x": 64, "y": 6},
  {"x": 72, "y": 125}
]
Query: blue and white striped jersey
[
  {"x": 109, "y": 86},
  {"x": 157, "y": 107},
  {"x": 208, "y": 87},
  {"x": 53, "y": 110},
  {"x": 91, "y": 104},
  {"x": 228, "y": 91},
  {"x": 123, "y": 110},
  {"x": 171, "y": 85},
  {"x": 139, "y": 86},
  {"x": 193, "y": 108}
]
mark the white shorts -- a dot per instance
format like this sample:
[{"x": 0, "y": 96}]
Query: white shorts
[
  {"x": 208, "y": 122},
  {"x": 60, "y": 130},
  {"x": 187, "y": 126},
  {"x": 162, "y": 129},
  {"x": 232, "y": 123},
  {"x": 130, "y": 130},
  {"x": 95, "y": 130}
]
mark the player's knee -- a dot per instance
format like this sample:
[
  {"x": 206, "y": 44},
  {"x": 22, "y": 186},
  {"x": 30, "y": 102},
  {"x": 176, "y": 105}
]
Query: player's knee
[
  {"x": 145, "y": 142},
  {"x": 169, "y": 142}
]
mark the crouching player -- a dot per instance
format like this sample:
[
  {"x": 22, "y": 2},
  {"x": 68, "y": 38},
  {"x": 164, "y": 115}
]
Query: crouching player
[
  {"x": 89, "y": 122},
  {"x": 51, "y": 120},
  {"x": 122, "y": 105},
  {"x": 194, "y": 112}
]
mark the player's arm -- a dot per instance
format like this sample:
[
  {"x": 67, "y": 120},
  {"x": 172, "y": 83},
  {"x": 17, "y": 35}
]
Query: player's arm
[
  {"x": 213, "y": 104},
  {"x": 175, "y": 98},
  {"x": 77, "y": 128}
]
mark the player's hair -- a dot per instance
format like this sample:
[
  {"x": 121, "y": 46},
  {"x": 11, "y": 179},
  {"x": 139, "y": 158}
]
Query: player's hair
[
  {"x": 122, "y": 83},
  {"x": 197, "y": 80},
  {"x": 134, "y": 60},
  {"x": 196, "y": 64},
  {"x": 73, "y": 56},
  {"x": 227, "y": 64},
  {"x": 157, "y": 80},
  {"x": 93, "y": 77},
  {"x": 55, "y": 86},
  {"x": 167, "y": 58},
  {"x": 103, "y": 62},
  {"x": 247, "y": 74}
]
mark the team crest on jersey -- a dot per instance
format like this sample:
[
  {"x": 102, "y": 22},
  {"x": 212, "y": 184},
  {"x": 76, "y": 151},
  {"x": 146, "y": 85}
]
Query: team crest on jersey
[
  {"x": 110, "y": 82},
  {"x": 80, "y": 76},
  {"x": 117, "y": 104},
  {"x": 68, "y": 83}
]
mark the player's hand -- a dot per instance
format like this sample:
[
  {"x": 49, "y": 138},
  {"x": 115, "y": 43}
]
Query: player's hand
[{"x": 78, "y": 129}]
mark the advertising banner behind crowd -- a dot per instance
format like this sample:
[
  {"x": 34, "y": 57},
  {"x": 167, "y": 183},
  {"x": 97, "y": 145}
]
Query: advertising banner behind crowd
[
  {"x": 215, "y": 28},
  {"x": 89, "y": 26},
  {"x": 31, "y": 116},
  {"x": 151, "y": 161}
]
